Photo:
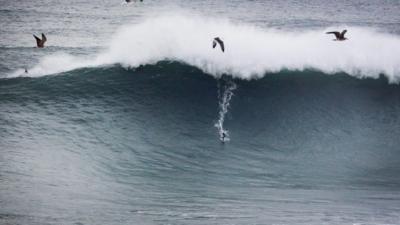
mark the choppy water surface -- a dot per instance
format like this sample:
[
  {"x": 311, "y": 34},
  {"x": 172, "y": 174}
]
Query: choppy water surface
[{"x": 119, "y": 120}]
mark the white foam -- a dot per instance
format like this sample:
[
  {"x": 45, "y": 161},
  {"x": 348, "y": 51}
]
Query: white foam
[
  {"x": 53, "y": 64},
  {"x": 250, "y": 51},
  {"x": 225, "y": 94}
]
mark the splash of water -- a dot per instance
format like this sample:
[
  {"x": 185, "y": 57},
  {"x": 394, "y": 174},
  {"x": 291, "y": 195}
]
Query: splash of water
[
  {"x": 226, "y": 87},
  {"x": 251, "y": 52}
]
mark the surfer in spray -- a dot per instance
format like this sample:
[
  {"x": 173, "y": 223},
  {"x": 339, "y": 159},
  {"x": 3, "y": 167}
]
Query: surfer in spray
[{"x": 225, "y": 92}]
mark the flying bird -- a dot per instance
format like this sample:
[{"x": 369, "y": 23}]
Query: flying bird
[
  {"x": 339, "y": 36},
  {"x": 216, "y": 41},
  {"x": 40, "y": 42}
]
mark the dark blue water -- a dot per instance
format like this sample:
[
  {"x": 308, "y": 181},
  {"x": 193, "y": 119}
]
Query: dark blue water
[{"x": 122, "y": 125}]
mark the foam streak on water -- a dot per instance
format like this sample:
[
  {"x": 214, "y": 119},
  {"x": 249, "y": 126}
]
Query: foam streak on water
[{"x": 225, "y": 93}]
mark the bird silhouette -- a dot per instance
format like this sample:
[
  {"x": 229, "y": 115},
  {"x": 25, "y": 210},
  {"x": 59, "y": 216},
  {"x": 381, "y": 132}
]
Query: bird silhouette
[
  {"x": 216, "y": 41},
  {"x": 40, "y": 42},
  {"x": 339, "y": 36}
]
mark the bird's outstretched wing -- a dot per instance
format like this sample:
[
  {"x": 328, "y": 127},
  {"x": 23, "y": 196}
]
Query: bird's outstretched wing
[
  {"x": 44, "y": 39},
  {"x": 221, "y": 44},
  {"x": 343, "y": 32},
  {"x": 336, "y": 33},
  {"x": 214, "y": 43},
  {"x": 37, "y": 40}
]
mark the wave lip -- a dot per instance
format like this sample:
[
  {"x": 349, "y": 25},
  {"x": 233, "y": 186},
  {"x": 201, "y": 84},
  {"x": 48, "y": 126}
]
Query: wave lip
[{"x": 251, "y": 52}]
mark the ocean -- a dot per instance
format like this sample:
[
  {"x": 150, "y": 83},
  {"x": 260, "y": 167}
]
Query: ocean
[{"x": 129, "y": 116}]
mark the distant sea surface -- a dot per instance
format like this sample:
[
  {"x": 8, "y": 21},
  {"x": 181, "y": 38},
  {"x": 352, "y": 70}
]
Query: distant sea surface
[{"x": 129, "y": 116}]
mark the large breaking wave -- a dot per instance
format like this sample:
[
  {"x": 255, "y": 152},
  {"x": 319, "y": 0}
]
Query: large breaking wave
[{"x": 251, "y": 52}]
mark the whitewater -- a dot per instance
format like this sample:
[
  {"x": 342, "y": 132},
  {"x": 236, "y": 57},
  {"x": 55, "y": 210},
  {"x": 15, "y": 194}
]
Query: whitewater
[
  {"x": 129, "y": 116},
  {"x": 251, "y": 51}
]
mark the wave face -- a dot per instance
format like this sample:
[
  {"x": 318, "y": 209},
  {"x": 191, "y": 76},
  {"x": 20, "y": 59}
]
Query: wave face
[
  {"x": 146, "y": 138},
  {"x": 305, "y": 112},
  {"x": 251, "y": 52}
]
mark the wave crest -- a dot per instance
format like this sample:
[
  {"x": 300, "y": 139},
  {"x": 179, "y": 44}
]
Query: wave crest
[{"x": 251, "y": 52}]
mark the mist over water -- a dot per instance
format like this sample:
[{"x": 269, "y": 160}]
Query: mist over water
[{"x": 129, "y": 116}]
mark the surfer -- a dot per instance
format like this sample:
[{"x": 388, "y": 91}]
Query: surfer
[
  {"x": 216, "y": 41},
  {"x": 40, "y": 42},
  {"x": 223, "y": 135},
  {"x": 26, "y": 70},
  {"x": 339, "y": 36}
]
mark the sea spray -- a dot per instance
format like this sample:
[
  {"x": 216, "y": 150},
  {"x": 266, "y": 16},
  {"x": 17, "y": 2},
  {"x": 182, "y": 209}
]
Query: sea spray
[
  {"x": 226, "y": 86},
  {"x": 251, "y": 52}
]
